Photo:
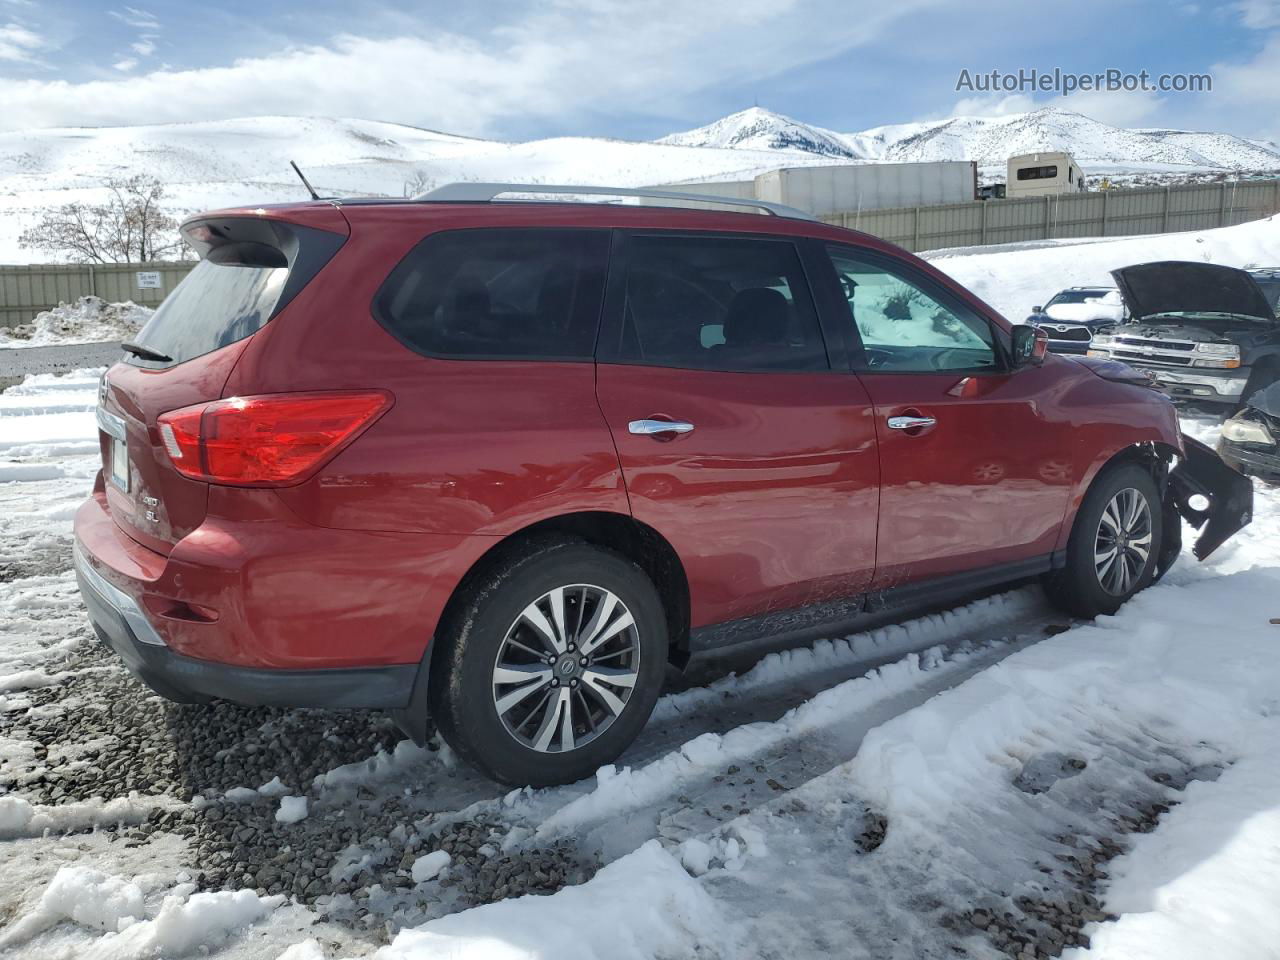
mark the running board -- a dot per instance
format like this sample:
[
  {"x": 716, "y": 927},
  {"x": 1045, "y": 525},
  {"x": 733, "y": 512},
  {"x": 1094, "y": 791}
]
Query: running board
[{"x": 1201, "y": 472}]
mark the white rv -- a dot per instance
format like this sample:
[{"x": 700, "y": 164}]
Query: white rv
[{"x": 1043, "y": 175}]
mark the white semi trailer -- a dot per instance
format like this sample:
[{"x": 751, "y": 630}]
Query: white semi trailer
[{"x": 852, "y": 187}]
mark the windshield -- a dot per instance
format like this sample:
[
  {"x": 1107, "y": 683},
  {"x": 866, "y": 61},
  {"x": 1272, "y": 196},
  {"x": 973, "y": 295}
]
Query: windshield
[{"x": 1077, "y": 296}]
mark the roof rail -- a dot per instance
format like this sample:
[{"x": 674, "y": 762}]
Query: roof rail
[{"x": 485, "y": 192}]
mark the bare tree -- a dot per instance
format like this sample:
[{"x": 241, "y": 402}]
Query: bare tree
[
  {"x": 129, "y": 225},
  {"x": 418, "y": 182}
]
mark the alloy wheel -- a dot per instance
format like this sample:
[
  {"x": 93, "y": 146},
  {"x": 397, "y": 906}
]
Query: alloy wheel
[
  {"x": 566, "y": 668},
  {"x": 1123, "y": 542}
]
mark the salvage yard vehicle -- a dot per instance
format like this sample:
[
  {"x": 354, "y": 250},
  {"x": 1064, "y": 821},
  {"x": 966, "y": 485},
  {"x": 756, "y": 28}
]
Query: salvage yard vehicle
[
  {"x": 1250, "y": 441},
  {"x": 1073, "y": 317},
  {"x": 499, "y": 463},
  {"x": 1206, "y": 332}
]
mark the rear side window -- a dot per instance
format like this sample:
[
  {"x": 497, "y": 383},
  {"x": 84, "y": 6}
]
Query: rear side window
[
  {"x": 717, "y": 303},
  {"x": 507, "y": 294},
  {"x": 215, "y": 305}
]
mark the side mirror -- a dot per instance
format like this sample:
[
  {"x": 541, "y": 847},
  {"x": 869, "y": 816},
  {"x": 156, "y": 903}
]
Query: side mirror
[
  {"x": 1030, "y": 344},
  {"x": 1037, "y": 309}
]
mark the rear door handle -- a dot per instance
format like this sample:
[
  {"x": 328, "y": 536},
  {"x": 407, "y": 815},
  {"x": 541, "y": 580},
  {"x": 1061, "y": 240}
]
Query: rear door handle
[
  {"x": 648, "y": 428},
  {"x": 911, "y": 423}
]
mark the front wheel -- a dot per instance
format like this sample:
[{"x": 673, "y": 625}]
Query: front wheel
[
  {"x": 551, "y": 664},
  {"x": 1115, "y": 544}
]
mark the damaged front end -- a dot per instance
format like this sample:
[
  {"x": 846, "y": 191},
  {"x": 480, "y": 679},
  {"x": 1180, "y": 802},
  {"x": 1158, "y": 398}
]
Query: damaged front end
[{"x": 1227, "y": 495}]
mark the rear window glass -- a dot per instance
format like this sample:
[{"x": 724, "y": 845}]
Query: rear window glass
[
  {"x": 514, "y": 294},
  {"x": 215, "y": 305}
]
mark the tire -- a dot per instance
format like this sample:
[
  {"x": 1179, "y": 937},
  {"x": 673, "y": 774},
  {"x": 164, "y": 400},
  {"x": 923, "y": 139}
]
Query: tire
[
  {"x": 492, "y": 634},
  {"x": 1085, "y": 588}
]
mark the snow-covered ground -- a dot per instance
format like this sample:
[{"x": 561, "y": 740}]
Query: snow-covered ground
[
  {"x": 88, "y": 320},
  {"x": 992, "y": 781},
  {"x": 1015, "y": 277}
]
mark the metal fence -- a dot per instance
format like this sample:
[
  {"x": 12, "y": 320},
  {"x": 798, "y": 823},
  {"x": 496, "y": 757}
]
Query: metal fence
[
  {"x": 1104, "y": 213},
  {"x": 25, "y": 291}
]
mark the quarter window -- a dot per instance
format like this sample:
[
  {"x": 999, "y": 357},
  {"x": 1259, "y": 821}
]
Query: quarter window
[
  {"x": 716, "y": 303},
  {"x": 903, "y": 326},
  {"x": 513, "y": 294}
]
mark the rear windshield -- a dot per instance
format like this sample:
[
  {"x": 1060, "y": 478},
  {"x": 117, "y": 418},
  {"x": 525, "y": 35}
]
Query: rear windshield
[{"x": 215, "y": 305}]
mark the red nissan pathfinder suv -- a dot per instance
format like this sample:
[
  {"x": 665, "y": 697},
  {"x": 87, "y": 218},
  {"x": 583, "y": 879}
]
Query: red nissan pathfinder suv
[{"x": 498, "y": 463}]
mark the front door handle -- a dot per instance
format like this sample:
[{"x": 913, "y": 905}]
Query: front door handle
[
  {"x": 649, "y": 428},
  {"x": 911, "y": 423}
]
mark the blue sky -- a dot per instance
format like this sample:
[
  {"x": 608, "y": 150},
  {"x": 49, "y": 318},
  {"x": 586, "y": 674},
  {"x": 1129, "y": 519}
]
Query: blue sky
[{"x": 624, "y": 68}]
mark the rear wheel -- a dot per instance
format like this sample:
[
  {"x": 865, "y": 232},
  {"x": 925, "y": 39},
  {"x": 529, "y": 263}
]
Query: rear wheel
[
  {"x": 550, "y": 664},
  {"x": 1115, "y": 544}
]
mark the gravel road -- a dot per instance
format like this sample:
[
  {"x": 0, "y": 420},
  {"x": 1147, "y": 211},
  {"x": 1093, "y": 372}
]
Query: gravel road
[{"x": 16, "y": 363}]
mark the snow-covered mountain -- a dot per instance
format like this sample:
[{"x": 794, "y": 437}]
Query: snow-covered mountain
[
  {"x": 758, "y": 129},
  {"x": 246, "y": 161},
  {"x": 1099, "y": 147}
]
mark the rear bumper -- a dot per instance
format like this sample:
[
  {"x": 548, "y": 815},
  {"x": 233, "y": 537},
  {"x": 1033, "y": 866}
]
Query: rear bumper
[
  {"x": 269, "y": 609},
  {"x": 122, "y": 624}
]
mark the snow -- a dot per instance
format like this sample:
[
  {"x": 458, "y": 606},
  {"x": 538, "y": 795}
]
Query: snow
[
  {"x": 88, "y": 320},
  {"x": 1016, "y": 277},
  {"x": 18, "y": 818},
  {"x": 429, "y": 867},
  {"x": 1100, "y": 148},
  {"x": 642, "y": 906},
  {"x": 292, "y": 809}
]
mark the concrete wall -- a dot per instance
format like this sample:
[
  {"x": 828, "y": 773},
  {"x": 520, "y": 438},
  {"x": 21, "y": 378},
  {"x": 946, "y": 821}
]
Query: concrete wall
[
  {"x": 25, "y": 291},
  {"x": 1103, "y": 213}
]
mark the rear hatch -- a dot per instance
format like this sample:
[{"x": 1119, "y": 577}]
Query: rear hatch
[{"x": 251, "y": 268}]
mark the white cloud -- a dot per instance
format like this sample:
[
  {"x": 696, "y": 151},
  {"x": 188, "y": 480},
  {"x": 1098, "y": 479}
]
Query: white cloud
[
  {"x": 125, "y": 65},
  {"x": 1248, "y": 94},
  {"x": 18, "y": 44},
  {"x": 1259, "y": 14},
  {"x": 1121, "y": 109},
  {"x": 136, "y": 17},
  {"x": 562, "y": 60},
  {"x": 145, "y": 45}
]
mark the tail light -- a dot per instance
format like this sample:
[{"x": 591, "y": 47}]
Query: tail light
[{"x": 272, "y": 440}]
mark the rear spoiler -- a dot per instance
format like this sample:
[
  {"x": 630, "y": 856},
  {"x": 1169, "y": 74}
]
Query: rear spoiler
[{"x": 1229, "y": 494}]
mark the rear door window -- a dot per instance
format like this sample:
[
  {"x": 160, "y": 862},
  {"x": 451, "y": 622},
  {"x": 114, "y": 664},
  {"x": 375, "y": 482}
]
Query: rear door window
[
  {"x": 716, "y": 303},
  {"x": 506, "y": 294}
]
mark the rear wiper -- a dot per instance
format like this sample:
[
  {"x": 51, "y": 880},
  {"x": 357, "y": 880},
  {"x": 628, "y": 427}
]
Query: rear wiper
[{"x": 146, "y": 353}]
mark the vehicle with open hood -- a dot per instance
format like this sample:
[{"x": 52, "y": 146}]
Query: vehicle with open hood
[{"x": 1204, "y": 331}]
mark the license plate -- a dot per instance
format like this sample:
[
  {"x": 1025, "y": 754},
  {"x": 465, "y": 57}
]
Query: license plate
[{"x": 120, "y": 463}]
